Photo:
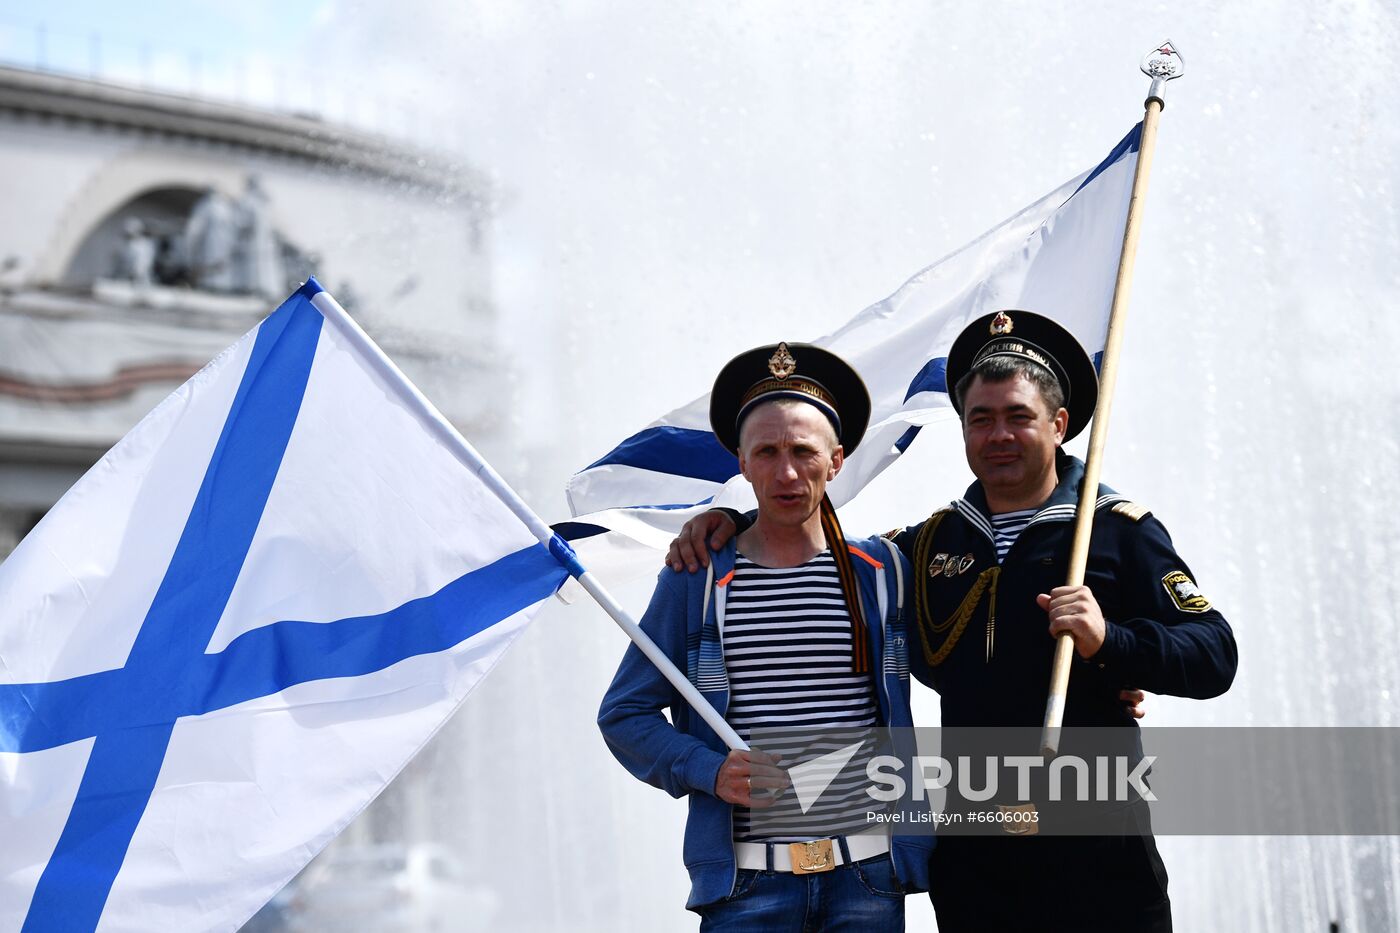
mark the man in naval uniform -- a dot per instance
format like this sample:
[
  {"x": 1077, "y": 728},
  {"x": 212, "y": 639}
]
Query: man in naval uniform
[
  {"x": 992, "y": 566},
  {"x": 795, "y": 627}
]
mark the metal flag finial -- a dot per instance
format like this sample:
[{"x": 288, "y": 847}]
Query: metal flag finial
[{"x": 1162, "y": 64}]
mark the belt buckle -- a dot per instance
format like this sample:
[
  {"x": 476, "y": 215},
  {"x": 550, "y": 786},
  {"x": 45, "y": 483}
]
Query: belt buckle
[
  {"x": 810, "y": 858},
  {"x": 1027, "y": 823}
]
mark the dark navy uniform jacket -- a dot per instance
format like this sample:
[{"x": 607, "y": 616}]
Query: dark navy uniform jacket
[{"x": 984, "y": 643}]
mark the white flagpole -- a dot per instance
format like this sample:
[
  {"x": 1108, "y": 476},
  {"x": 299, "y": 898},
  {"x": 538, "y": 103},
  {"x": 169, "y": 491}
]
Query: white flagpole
[
  {"x": 462, "y": 449},
  {"x": 1161, "y": 65}
]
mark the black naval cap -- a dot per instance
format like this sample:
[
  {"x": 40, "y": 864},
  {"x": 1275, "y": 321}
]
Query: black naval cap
[
  {"x": 790, "y": 370},
  {"x": 1028, "y": 336}
]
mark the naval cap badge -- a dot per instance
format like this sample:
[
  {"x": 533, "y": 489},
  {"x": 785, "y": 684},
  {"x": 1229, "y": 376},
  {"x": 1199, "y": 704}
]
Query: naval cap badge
[
  {"x": 1001, "y": 324},
  {"x": 782, "y": 363}
]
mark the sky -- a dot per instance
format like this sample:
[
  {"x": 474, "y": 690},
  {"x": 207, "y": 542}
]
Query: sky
[{"x": 677, "y": 182}]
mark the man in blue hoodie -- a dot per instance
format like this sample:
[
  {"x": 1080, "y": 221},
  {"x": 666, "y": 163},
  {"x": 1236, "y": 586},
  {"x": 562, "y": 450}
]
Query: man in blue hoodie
[{"x": 793, "y": 626}]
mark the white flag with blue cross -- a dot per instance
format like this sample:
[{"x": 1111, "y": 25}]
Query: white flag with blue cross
[
  {"x": 1057, "y": 257},
  {"x": 239, "y": 626}
]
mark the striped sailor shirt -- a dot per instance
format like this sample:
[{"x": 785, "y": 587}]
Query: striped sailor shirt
[
  {"x": 1007, "y": 527},
  {"x": 787, "y": 648}
]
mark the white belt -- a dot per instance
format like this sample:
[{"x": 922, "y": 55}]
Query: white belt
[{"x": 754, "y": 855}]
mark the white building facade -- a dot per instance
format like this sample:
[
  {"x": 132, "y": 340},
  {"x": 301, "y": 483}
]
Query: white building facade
[{"x": 143, "y": 232}]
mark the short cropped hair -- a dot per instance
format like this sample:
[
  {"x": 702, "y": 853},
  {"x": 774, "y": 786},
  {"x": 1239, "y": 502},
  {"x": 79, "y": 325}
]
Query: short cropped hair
[{"x": 1002, "y": 368}]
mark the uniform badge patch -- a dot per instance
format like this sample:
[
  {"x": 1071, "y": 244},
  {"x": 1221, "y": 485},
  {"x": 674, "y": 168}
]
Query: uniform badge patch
[
  {"x": 936, "y": 565},
  {"x": 965, "y": 563},
  {"x": 1187, "y": 596}
]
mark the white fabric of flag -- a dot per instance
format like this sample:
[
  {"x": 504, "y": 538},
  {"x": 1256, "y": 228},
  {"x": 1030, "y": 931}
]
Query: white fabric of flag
[
  {"x": 1058, "y": 257},
  {"x": 236, "y": 629}
]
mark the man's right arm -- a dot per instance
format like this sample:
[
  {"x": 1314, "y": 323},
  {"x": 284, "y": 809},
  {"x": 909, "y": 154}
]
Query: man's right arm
[
  {"x": 631, "y": 716},
  {"x": 706, "y": 532},
  {"x": 1134, "y": 700}
]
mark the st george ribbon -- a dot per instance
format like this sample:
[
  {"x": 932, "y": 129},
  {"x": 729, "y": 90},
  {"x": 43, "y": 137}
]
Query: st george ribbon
[
  {"x": 239, "y": 626},
  {"x": 1057, "y": 257}
]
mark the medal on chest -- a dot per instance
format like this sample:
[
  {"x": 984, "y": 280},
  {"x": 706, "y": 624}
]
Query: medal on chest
[{"x": 950, "y": 565}]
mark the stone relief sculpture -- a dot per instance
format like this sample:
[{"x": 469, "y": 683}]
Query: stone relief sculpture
[
  {"x": 227, "y": 246},
  {"x": 258, "y": 260},
  {"x": 211, "y": 239},
  {"x": 138, "y": 256}
]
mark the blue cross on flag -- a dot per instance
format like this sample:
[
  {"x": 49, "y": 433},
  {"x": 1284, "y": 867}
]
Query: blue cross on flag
[{"x": 234, "y": 630}]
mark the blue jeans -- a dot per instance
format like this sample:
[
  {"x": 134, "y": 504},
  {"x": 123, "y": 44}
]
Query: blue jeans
[{"x": 860, "y": 896}]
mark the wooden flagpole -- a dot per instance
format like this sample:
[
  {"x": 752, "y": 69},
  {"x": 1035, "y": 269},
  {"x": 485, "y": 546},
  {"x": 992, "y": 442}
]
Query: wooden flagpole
[{"x": 1161, "y": 65}]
